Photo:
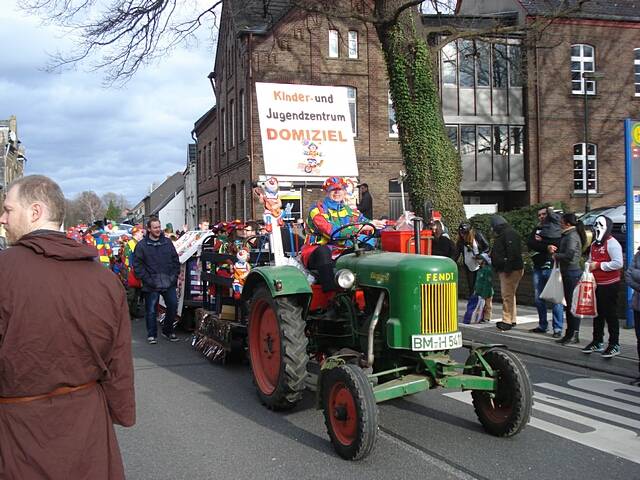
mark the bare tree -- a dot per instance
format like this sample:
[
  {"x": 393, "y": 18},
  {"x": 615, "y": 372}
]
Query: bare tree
[
  {"x": 90, "y": 206},
  {"x": 119, "y": 200}
]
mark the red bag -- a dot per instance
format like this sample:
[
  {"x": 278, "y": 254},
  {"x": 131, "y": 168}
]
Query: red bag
[
  {"x": 133, "y": 281},
  {"x": 583, "y": 303}
]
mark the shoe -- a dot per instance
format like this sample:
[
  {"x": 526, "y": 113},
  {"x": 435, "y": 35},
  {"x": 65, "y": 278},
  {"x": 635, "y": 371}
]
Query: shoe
[
  {"x": 504, "y": 326},
  {"x": 537, "y": 330},
  {"x": 171, "y": 337},
  {"x": 569, "y": 337},
  {"x": 557, "y": 334},
  {"x": 594, "y": 347},
  {"x": 611, "y": 351},
  {"x": 152, "y": 340}
]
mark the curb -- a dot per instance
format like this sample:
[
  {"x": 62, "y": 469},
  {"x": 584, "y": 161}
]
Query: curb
[{"x": 544, "y": 347}]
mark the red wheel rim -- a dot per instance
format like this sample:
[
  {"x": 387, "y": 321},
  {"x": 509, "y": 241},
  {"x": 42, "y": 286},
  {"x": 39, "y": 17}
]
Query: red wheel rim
[
  {"x": 264, "y": 345},
  {"x": 342, "y": 414}
]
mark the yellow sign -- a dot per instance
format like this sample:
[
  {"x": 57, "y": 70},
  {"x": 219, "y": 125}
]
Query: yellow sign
[
  {"x": 379, "y": 277},
  {"x": 440, "y": 277},
  {"x": 635, "y": 134}
]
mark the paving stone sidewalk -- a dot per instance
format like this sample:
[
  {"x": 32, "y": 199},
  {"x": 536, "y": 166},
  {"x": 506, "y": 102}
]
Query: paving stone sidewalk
[{"x": 519, "y": 339}]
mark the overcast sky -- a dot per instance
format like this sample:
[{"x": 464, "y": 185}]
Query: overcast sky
[{"x": 88, "y": 137}]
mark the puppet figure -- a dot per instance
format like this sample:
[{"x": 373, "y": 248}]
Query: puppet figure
[
  {"x": 240, "y": 271},
  {"x": 269, "y": 196}
]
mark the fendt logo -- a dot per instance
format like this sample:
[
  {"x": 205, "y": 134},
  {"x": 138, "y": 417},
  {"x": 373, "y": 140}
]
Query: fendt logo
[{"x": 440, "y": 277}]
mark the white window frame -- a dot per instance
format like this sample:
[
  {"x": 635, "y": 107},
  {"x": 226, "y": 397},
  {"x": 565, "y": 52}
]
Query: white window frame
[
  {"x": 241, "y": 116},
  {"x": 636, "y": 71},
  {"x": 389, "y": 110},
  {"x": 232, "y": 123},
  {"x": 582, "y": 59},
  {"x": 243, "y": 187},
  {"x": 353, "y": 43},
  {"x": 225, "y": 192},
  {"x": 334, "y": 44},
  {"x": 224, "y": 130},
  {"x": 352, "y": 99},
  {"x": 581, "y": 158}
]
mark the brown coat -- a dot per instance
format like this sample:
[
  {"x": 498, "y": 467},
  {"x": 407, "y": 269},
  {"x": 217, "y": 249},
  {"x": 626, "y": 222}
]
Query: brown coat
[{"x": 63, "y": 322}]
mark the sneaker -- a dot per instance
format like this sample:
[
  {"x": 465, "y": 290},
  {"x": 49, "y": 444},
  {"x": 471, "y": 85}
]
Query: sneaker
[
  {"x": 611, "y": 351},
  {"x": 537, "y": 330},
  {"x": 152, "y": 340},
  {"x": 594, "y": 347},
  {"x": 171, "y": 337},
  {"x": 557, "y": 334}
]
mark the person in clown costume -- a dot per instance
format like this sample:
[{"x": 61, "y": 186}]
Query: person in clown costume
[
  {"x": 325, "y": 217},
  {"x": 134, "y": 285}
]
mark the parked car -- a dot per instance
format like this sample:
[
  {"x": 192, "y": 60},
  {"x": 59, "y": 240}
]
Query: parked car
[{"x": 618, "y": 217}]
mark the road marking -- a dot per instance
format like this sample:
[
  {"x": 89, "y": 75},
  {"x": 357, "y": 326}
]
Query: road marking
[{"x": 603, "y": 436}]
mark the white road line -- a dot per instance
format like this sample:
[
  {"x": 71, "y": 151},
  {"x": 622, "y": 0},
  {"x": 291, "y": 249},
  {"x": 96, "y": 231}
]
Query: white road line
[{"x": 590, "y": 397}]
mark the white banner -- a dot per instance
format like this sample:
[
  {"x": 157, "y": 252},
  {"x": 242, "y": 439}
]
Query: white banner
[{"x": 306, "y": 130}]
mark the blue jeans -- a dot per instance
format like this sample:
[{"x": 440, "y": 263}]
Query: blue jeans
[
  {"x": 540, "y": 277},
  {"x": 151, "y": 305}
]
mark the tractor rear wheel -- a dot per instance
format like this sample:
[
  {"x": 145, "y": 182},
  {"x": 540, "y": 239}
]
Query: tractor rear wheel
[
  {"x": 277, "y": 349},
  {"x": 350, "y": 411},
  {"x": 506, "y": 411}
]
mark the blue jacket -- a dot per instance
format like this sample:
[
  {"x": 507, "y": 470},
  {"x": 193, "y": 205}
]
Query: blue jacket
[{"x": 156, "y": 263}]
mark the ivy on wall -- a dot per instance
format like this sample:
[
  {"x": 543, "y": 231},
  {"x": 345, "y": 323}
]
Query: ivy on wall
[{"x": 433, "y": 166}]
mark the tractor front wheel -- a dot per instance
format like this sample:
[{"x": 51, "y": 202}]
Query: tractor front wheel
[
  {"x": 350, "y": 411},
  {"x": 277, "y": 349},
  {"x": 506, "y": 411}
]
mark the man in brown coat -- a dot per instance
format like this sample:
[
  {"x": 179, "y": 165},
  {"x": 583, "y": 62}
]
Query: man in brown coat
[{"x": 66, "y": 373}]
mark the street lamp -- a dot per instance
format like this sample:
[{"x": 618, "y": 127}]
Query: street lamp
[{"x": 593, "y": 76}]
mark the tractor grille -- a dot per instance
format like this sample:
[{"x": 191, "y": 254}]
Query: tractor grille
[{"x": 439, "y": 308}]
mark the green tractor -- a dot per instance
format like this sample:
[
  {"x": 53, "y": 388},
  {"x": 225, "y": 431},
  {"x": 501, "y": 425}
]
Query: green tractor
[{"x": 385, "y": 333}]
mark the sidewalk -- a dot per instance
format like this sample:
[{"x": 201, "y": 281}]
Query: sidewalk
[{"x": 519, "y": 339}]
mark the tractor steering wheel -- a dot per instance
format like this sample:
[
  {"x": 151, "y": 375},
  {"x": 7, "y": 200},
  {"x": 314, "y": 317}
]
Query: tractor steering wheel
[{"x": 354, "y": 236}]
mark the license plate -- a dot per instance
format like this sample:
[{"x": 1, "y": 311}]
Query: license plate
[{"x": 442, "y": 341}]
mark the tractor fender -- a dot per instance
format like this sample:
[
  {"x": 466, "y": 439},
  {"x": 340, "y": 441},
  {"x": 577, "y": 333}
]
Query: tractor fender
[{"x": 283, "y": 280}]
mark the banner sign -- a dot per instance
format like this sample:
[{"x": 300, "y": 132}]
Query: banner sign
[
  {"x": 632, "y": 194},
  {"x": 306, "y": 130}
]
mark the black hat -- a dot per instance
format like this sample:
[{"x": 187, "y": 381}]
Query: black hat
[{"x": 464, "y": 227}]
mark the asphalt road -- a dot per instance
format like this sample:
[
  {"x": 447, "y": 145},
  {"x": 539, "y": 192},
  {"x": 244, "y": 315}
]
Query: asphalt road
[{"x": 198, "y": 420}]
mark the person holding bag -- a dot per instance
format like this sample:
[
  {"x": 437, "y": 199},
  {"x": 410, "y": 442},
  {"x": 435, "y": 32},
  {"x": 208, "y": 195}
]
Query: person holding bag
[
  {"x": 605, "y": 262},
  {"x": 568, "y": 256}
]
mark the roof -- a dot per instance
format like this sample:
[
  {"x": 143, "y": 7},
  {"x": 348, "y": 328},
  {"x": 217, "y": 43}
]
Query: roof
[
  {"x": 166, "y": 201},
  {"x": 204, "y": 118},
  {"x": 624, "y": 10},
  {"x": 258, "y": 16}
]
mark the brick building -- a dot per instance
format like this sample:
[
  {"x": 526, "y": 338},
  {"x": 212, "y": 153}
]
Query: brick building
[
  {"x": 601, "y": 37},
  {"x": 284, "y": 45},
  {"x": 12, "y": 159}
]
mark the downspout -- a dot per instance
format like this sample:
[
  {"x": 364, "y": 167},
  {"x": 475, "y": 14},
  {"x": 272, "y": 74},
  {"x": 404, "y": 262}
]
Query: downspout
[
  {"x": 250, "y": 95},
  {"x": 538, "y": 123}
]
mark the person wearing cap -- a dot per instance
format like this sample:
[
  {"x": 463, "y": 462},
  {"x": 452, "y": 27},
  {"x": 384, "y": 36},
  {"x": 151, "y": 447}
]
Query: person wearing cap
[
  {"x": 325, "y": 217},
  {"x": 365, "y": 205},
  {"x": 471, "y": 245},
  {"x": 441, "y": 244}
]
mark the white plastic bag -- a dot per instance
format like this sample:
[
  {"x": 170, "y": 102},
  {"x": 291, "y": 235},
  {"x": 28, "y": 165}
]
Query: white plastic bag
[
  {"x": 553, "y": 291},
  {"x": 583, "y": 304}
]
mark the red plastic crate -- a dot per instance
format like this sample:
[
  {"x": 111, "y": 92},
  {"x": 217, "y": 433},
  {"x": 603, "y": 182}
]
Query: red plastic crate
[{"x": 402, "y": 241}]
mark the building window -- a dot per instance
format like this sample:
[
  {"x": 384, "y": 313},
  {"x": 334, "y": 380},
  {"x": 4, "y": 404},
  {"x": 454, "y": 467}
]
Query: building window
[
  {"x": 450, "y": 64},
  {"x": 585, "y": 168},
  {"x": 243, "y": 200},
  {"x": 391, "y": 114},
  {"x": 352, "y": 97},
  {"x": 232, "y": 123},
  {"x": 515, "y": 66},
  {"x": 225, "y": 198},
  {"x": 500, "y": 68},
  {"x": 636, "y": 69},
  {"x": 333, "y": 44},
  {"x": 582, "y": 60},
  {"x": 467, "y": 140},
  {"x": 452, "y": 133},
  {"x": 209, "y": 164},
  {"x": 516, "y": 140},
  {"x": 200, "y": 170},
  {"x": 466, "y": 61},
  {"x": 241, "y": 116},
  {"x": 483, "y": 63},
  {"x": 224, "y": 131},
  {"x": 234, "y": 212},
  {"x": 353, "y": 44}
]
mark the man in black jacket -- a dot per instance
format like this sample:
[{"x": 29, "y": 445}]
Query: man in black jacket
[
  {"x": 506, "y": 258},
  {"x": 365, "y": 205},
  {"x": 156, "y": 263},
  {"x": 546, "y": 233}
]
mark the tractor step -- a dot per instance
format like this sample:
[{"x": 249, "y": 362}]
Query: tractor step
[{"x": 399, "y": 387}]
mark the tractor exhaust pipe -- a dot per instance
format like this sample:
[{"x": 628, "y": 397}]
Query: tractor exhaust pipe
[
  {"x": 372, "y": 328},
  {"x": 417, "y": 228}
]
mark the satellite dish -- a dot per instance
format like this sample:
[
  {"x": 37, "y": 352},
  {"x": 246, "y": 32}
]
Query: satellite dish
[{"x": 12, "y": 136}]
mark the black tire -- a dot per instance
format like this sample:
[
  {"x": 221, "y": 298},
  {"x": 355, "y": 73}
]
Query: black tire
[
  {"x": 507, "y": 411},
  {"x": 347, "y": 391},
  {"x": 278, "y": 356}
]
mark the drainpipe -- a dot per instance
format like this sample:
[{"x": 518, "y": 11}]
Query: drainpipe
[
  {"x": 538, "y": 124},
  {"x": 250, "y": 95}
]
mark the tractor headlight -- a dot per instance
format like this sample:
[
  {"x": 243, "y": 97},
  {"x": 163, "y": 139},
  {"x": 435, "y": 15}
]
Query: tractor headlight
[{"x": 345, "y": 278}]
